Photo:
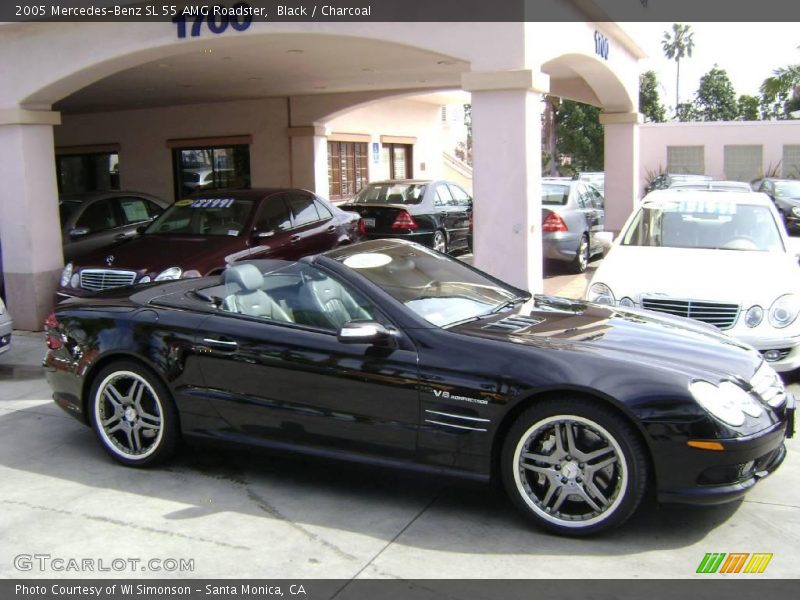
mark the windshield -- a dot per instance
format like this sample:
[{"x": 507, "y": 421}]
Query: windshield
[
  {"x": 554, "y": 194},
  {"x": 787, "y": 189},
  {"x": 204, "y": 216},
  {"x": 391, "y": 193},
  {"x": 711, "y": 224},
  {"x": 439, "y": 289}
]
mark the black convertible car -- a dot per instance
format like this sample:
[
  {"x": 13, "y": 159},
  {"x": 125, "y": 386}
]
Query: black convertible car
[{"x": 392, "y": 352}]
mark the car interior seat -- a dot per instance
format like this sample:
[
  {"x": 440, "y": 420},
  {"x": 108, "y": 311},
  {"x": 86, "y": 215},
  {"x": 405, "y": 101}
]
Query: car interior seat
[
  {"x": 395, "y": 199},
  {"x": 333, "y": 304},
  {"x": 249, "y": 298}
]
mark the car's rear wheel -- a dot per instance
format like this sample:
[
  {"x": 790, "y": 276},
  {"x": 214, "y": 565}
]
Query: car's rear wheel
[
  {"x": 574, "y": 467},
  {"x": 581, "y": 261},
  {"x": 440, "y": 241},
  {"x": 133, "y": 415}
]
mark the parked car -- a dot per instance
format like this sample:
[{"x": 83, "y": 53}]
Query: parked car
[
  {"x": 6, "y": 327},
  {"x": 667, "y": 180},
  {"x": 785, "y": 193},
  {"x": 724, "y": 259},
  {"x": 573, "y": 214},
  {"x": 433, "y": 213},
  {"x": 712, "y": 185},
  {"x": 99, "y": 219},
  {"x": 203, "y": 234},
  {"x": 390, "y": 352}
]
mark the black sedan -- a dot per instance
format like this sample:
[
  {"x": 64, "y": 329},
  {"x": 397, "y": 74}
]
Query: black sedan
[
  {"x": 387, "y": 351},
  {"x": 785, "y": 193},
  {"x": 437, "y": 214}
]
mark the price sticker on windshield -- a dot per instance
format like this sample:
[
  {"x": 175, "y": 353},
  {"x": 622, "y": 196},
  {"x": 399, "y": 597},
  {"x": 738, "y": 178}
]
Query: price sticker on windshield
[
  {"x": 213, "y": 203},
  {"x": 711, "y": 207}
]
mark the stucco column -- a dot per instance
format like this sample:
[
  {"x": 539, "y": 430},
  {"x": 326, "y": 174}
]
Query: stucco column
[
  {"x": 309, "y": 158},
  {"x": 29, "y": 221},
  {"x": 621, "y": 166},
  {"x": 507, "y": 170}
]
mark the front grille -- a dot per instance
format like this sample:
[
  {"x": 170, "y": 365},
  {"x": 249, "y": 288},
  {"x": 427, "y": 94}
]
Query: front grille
[
  {"x": 714, "y": 313},
  {"x": 104, "y": 279},
  {"x": 768, "y": 385}
]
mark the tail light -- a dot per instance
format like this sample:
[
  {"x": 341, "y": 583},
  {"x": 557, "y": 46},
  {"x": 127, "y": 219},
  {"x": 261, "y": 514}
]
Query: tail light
[
  {"x": 53, "y": 338},
  {"x": 470, "y": 222},
  {"x": 362, "y": 227},
  {"x": 554, "y": 223},
  {"x": 404, "y": 221}
]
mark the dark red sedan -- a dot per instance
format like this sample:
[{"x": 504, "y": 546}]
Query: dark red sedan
[{"x": 203, "y": 234}]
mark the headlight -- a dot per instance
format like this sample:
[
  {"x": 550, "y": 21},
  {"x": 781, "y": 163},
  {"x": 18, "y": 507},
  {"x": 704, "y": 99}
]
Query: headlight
[
  {"x": 784, "y": 311},
  {"x": 2, "y": 306},
  {"x": 627, "y": 302},
  {"x": 796, "y": 211},
  {"x": 145, "y": 279},
  {"x": 729, "y": 403},
  {"x": 754, "y": 316},
  {"x": 66, "y": 274},
  {"x": 601, "y": 294},
  {"x": 75, "y": 280},
  {"x": 168, "y": 274}
]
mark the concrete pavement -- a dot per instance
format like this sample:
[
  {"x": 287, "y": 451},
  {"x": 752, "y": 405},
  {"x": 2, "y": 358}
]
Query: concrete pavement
[{"x": 254, "y": 515}]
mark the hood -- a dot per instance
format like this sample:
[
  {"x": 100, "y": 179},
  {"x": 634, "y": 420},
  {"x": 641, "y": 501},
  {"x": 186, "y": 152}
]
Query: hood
[
  {"x": 738, "y": 277},
  {"x": 154, "y": 253},
  {"x": 630, "y": 336}
]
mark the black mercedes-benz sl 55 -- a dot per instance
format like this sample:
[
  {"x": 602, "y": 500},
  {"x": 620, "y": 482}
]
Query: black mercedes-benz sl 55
[{"x": 390, "y": 352}]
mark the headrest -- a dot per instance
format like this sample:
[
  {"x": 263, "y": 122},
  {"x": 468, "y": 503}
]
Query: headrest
[
  {"x": 395, "y": 198},
  {"x": 246, "y": 276}
]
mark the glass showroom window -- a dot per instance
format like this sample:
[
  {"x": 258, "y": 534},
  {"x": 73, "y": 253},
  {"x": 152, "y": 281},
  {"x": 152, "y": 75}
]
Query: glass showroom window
[
  {"x": 347, "y": 168},
  {"x": 91, "y": 172},
  {"x": 211, "y": 168}
]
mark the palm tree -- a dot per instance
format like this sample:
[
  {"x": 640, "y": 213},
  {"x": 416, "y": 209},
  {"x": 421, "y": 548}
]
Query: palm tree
[
  {"x": 677, "y": 45},
  {"x": 784, "y": 82}
]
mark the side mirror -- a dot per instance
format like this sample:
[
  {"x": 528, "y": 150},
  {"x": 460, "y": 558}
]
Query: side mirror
[
  {"x": 78, "y": 232},
  {"x": 364, "y": 332}
]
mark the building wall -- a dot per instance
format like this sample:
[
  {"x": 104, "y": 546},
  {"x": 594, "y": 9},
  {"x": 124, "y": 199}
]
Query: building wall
[
  {"x": 403, "y": 117},
  {"x": 772, "y": 136}
]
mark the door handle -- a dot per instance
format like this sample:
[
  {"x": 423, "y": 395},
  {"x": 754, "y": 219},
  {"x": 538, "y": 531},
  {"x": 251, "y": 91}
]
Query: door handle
[
  {"x": 222, "y": 344},
  {"x": 294, "y": 239},
  {"x": 120, "y": 236},
  {"x": 331, "y": 228}
]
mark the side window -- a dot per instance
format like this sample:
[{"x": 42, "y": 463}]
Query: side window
[
  {"x": 443, "y": 196},
  {"x": 461, "y": 197},
  {"x": 99, "y": 216},
  {"x": 597, "y": 198},
  {"x": 135, "y": 210},
  {"x": 274, "y": 215},
  {"x": 582, "y": 196},
  {"x": 323, "y": 211},
  {"x": 153, "y": 209},
  {"x": 303, "y": 209}
]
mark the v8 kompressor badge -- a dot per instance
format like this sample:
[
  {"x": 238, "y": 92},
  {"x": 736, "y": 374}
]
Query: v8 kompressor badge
[{"x": 448, "y": 396}]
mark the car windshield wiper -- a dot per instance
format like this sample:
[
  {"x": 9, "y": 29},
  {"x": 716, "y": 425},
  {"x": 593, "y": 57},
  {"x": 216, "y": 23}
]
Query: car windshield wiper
[{"x": 508, "y": 304}]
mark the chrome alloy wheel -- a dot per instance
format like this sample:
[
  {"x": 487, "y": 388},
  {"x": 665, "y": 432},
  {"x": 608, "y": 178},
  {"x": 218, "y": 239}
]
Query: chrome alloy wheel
[
  {"x": 129, "y": 415},
  {"x": 582, "y": 257},
  {"x": 439, "y": 242},
  {"x": 570, "y": 471}
]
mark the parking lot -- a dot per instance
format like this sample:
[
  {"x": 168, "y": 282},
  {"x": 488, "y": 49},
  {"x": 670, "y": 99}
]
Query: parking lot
[{"x": 257, "y": 515}]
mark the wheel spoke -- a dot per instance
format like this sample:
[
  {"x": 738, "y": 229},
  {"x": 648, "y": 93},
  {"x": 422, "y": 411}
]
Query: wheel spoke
[
  {"x": 551, "y": 490},
  {"x": 592, "y": 489},
  {"x": 535, "y": 469},
  {"x": 112, "y": 395},
  {"x": 561, "y": 496},
  {"x": 559, "y": 440},
  {"x": 542, "y": 458},
  {"x": 129, "y": 435},
  {"x": 137, "y": 441},
  {"x": 590, "y": 456},
  {"x": 571, "y": 447},
  {"x": 588, "y": 499},
  {"x": 601, "y": 465},
  {"x": 135, "y": 394},
  {"x": 115, "y": 428},
  {"x": 115, "y": 417}
]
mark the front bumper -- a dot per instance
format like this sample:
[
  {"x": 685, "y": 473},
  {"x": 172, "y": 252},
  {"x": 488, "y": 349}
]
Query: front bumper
[
  {"x": 715, "y": 477},
  {"x": 787, "y": 349}
]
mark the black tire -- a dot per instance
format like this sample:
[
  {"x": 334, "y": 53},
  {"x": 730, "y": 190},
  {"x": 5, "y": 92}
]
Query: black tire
[
  {"x": 582, "y": 256},
  {"x": 133, "y": 414},
  {"x": 439, "y": 241},
  {"x": 596, "y": 496}
]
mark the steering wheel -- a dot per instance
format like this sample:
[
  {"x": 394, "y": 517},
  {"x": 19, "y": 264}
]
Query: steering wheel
[{"x": 741, "y": 242}]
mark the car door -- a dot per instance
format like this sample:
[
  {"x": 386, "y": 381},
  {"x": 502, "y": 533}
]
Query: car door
[
  {"x": 462, "y": 209},
  {"x": 447, "y": 213},
  {"x": 312, "y": 232},
  {"x": 292, "y": 382},
  {"x": 98, "y": 225},
  {"x": 272, "y": 229},
  {"x": 585, "y": 207}
]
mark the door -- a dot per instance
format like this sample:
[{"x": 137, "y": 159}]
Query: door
[
  {"x": 271, "y": 235},
  {"x": 286, "y": 378},
  {"x": 313, "y": 229},
  {"x": 97, "y": 226},
  {"x": 462, "y": 209}
]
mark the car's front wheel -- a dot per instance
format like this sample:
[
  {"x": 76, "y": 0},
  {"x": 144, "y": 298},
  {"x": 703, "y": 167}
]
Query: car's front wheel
[
  {"x": 575, "y": 467},
  {"x": 440, "y": 241},
  {"x": 133, "y": 414}
]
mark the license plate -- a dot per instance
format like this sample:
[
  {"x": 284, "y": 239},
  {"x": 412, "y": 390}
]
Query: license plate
[{"x": 369, "y": 222}]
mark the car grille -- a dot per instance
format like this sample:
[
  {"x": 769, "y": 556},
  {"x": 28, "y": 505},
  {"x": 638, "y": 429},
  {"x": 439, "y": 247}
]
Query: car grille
[
  {"x": 715, "y": 313},
  {"x": 104, "y": 279},
  {"x": 769, "y": 386}
]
